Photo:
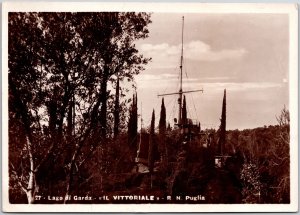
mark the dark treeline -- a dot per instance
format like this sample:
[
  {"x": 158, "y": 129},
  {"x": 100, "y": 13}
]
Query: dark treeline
[
  {"x": 265, "y": 151},
  {"x": 255, "y": 164}
]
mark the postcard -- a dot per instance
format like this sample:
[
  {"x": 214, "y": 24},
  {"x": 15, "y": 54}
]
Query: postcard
[{"x": 149, "y": 107}]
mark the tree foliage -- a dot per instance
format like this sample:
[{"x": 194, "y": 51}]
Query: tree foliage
[
  {"x": 69, "y": 119},
  {"x": 60, "y": 67},
  {"x": 267, "y": 161},
  {"x": 162, "y": 126},
  {"x": 222, "y": 129},
  {"x": 132, "y": 124},
  {"x": 151, "y": 144},
  {"x": 184, "y": 112}
]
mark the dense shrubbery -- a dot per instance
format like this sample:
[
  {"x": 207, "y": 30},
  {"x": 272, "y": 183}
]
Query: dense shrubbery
[{"x": 267, "y": 162}]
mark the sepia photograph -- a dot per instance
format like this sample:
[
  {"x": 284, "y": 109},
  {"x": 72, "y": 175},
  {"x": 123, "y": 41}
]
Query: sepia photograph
[{"x": 144, "y": 107}]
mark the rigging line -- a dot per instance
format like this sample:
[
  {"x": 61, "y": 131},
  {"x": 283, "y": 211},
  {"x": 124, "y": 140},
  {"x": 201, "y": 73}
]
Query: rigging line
[
  {"x": 186, "y": 75},
  {"x": 166, "y": 105},
  {"x": 177, "y": 85},
  {"x": 178, "y": 78},
  {"x": 149, "y": 120},
  {"x": 164, "y": 91},
  {"x": 195, "y": 109},
  {"x": 178, "y": 81},
  {"x": 185, "y": 69},
  {"x": 188, "y": 110},
  {"x": 155, "y": 107},
  {"x": 172, "y": 112},
  {"x": 174, "y": 70}
]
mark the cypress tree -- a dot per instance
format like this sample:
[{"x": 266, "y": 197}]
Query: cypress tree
[
  {"x": 184, "y": 112},
  {"x": 162, "y": 121},
  {"x": 162, "y": 131},
  {"x": 132, "y": 125},
  {"x": 222, "y": 129},
  {"x": 151, "y": 144}
]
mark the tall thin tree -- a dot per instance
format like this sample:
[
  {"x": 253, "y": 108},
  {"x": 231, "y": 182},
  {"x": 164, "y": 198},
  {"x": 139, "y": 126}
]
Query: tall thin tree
[
  {"x": 162, "y": 132},
  {"x": 184, "y": 112},
  {"x": 222, "y": 129},
  {"x": 132, "y": 124},
  {"x": 151, "y": 147}
]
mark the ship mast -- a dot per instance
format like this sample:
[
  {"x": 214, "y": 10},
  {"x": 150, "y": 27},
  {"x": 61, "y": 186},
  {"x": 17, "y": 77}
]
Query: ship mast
[
  {"x": 180, "y": 93},
  {"x": 180, "y": 89}
]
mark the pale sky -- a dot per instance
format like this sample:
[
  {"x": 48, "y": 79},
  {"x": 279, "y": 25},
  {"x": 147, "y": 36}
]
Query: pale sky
[{"x": 245, "y": 53}]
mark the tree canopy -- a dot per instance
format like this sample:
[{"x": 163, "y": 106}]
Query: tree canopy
[{"x": 60, "y": 68}]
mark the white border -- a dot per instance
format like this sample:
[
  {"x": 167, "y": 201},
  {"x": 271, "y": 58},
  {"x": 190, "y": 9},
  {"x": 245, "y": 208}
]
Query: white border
[{"x": 290, "y": 9}]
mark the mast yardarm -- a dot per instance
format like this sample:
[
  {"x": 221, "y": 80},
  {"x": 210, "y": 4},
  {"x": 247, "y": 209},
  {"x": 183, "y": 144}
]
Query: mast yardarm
[{"x": 181, "y": 92}]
